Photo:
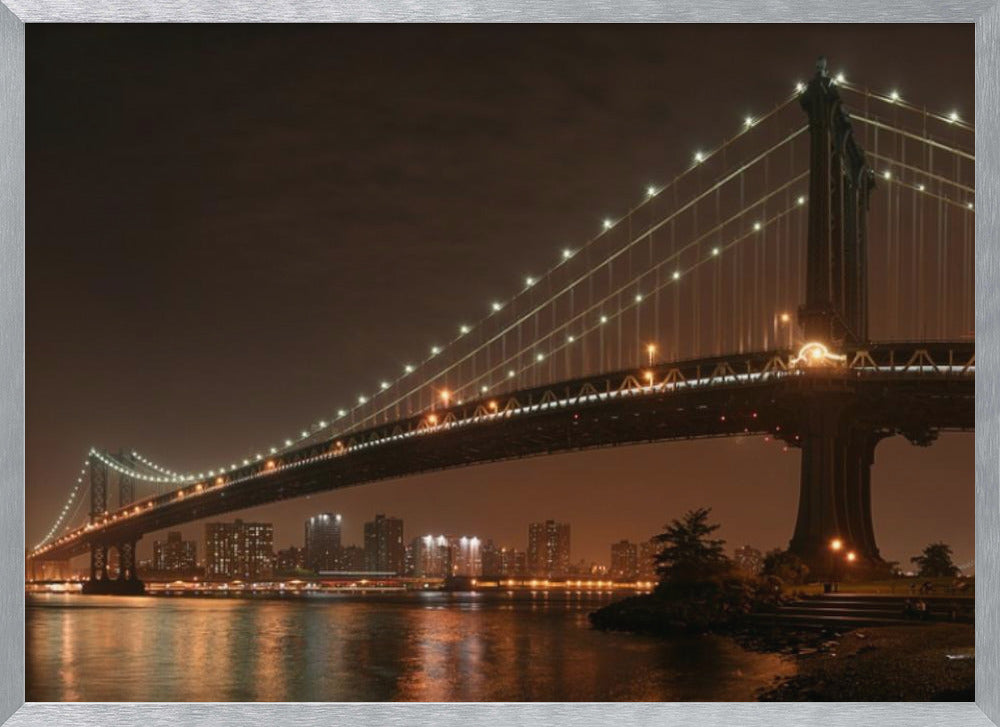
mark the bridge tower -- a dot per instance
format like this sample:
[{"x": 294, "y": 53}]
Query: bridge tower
[
  {"x": 837, "y": 447},
  {"x": 100, "y": 581}
]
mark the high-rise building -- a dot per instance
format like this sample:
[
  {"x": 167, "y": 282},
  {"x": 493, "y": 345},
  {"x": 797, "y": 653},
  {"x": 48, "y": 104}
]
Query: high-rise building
[
  {"x": 624, "y": 560},
  {"x": 749, "y": 560},
  {"x": 548, "y": 549},
  {"x": 431, "y": 556},
  {"x": 352, "y": 559},
  {"x": 239, "y": 550},
  {"x": 648, "y": 550},
  {"x": 384, "y": 550},
  {"x": 174, "y": 554},
  {"x": 323, "y": 542}
]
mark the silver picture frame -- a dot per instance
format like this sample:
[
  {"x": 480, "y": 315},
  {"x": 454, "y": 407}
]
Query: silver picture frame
[{"x": 14, "y": 14}]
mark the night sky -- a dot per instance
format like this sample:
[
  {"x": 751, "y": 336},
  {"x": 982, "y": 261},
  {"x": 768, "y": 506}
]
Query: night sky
[{"x": 233, "y": 230}]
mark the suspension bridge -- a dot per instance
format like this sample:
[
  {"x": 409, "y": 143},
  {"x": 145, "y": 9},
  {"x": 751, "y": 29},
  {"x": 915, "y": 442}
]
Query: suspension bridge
[{"x": 808, "y": 280}]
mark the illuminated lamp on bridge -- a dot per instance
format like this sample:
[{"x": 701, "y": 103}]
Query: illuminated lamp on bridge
[
  {"x": 269, "y": 465},
  {"x": 816, "y": 354}
]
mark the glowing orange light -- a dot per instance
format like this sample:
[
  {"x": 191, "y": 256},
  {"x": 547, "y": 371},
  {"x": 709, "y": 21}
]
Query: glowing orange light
[
  {"x": 492, "y": 405},
  {"x": 445, "y": 396},
  {"x": 836, "y": 544},
  {"x": 432, "y": 419},
  {"x": 269, "y": 465},
  {"x": 785, "y": 318},
  {"x": 218, "y": 480},
  {"x": 851, "y": 557}
]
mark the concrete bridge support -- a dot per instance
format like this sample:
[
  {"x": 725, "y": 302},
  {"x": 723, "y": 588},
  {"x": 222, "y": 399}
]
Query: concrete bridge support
[
  {"x": 838, "y": 451},
  {"x": 127, "y": 583}
]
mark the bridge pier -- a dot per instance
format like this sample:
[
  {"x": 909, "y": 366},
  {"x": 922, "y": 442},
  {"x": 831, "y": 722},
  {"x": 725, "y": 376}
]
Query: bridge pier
[
  {"x": 835, "y": 488},
  {"x": 126, "y": 584}
]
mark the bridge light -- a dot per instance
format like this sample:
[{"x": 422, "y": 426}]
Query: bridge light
[
  {"x": 651, "y": 191},
  {"x": 492, "y": 406},
  {"x": 362, "y": 399},
  {"x": 218, "y": 480},
  {"x": 894, "y": 96},
  {"x": 715, "y": 251},
  {"x": 607, "y": 224},
  {"x": 496, "y": 306},
  {"x": 570, "y": 339},
  {"x": 836, "y": 544},
  {"x": 887, "y": 174},
  {"x": 567, "y": 254},
  {"x": 529, "y": 281},
  {"x": 269, "y": 465},
  {"x": 800, "y": 87},
  {"x": 969, "y": 205},
  {"x": 432, "y": 419},
  {"x": 952, "y": 117},
  {"x": 510, "y": 374},
  {"x": 920, "y": 188},
  {"x": 785, "y": 318},
  {"x": 840, "y": 78},
  {"x": 698, "y": 157},
  {"x": 677, "y": 275},
  {"x": 604, "y": 319},
  {"x": 445, "y": 396},
  {"x": 756, "y": 227},
  {"x": 384, "y": 385},
  {"x": 463, "y": 329},
  {"x": 288, "y": 443},
  {"x": 408, "y": 369},
  {"x": 650, "y": 350},
  {"x": 851, "y": 557},
  {"x": 801, "y": 200},
  {"x": 748, "y": 121},
  {"x": 649, "y": 377},
  {"x": 638, "y": 297},
  {"x": 435, "y": 350}
]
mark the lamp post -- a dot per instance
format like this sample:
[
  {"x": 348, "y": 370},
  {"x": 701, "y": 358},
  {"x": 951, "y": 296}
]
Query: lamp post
[
  {"x": 835, "y": 547},
  {"x": 651, "y": 349}
]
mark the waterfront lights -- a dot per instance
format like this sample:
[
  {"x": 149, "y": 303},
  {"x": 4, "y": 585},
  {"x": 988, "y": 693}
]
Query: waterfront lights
[{"x": 836, "y": 544}]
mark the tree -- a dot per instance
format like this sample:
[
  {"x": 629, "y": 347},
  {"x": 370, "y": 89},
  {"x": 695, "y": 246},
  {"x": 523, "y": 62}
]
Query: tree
[
  {"x": 935, "y": 562},
  {"x": 785, "y": 565},
  {"x": 688, "y": 554}
]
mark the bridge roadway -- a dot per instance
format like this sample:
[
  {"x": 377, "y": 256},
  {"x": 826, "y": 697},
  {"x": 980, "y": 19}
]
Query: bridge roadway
[{"x": 914, "y": 389}]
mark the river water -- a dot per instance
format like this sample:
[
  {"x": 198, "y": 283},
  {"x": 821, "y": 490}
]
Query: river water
[{"x": 420, "y": 647}]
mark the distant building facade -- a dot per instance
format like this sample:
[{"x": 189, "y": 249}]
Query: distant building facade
[
  {"x": 648, "y": 550},
  {"x": 352, "y": 558},
  {"x": 548, "y": 549},
  {"x": 239, "y": 550},
  {"x": 624, "y": 560},
  {"x": 384, "y": 549},
  {"x": 290, "y": 560},
  {"x": 749, "y": 560},
  {"x": 440, "y": 556},
  {"x": 174, "y": 554},
  {"x": 322, "y": 543}
]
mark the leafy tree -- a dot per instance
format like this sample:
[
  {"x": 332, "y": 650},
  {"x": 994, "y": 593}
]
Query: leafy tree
[
  {"x": 935, "y": 562},
  {"x": 785, "y": 565},
  {"x": 688, "y": 553}
]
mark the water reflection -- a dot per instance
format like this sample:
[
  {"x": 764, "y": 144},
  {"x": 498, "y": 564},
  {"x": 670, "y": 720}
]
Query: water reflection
[{"x": 426, "y": 646}]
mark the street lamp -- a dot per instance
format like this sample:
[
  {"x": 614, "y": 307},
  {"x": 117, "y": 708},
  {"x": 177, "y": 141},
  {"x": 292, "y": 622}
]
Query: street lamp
[
  {"x": 651, "y": 349},
  {"x": 784, "y": 319},
  {"x": 835, "y": 547}
]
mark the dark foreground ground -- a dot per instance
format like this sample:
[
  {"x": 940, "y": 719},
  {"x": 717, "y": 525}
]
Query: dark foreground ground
[{"x": 891, "y": 663}]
